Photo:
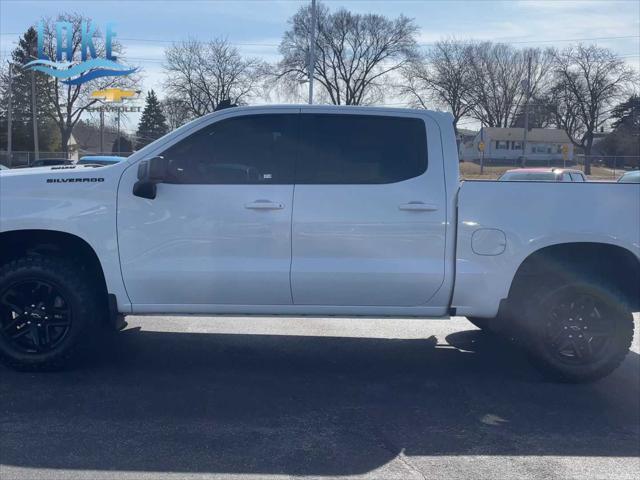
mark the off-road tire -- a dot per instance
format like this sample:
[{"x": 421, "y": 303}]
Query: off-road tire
[
  {"x": 78, "y": 292},
  {"x": 559, "y": 318}
]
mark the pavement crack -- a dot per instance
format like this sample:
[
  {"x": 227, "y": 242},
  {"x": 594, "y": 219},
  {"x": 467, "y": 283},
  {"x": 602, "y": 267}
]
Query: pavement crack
[{"x": 389, "y": 446}]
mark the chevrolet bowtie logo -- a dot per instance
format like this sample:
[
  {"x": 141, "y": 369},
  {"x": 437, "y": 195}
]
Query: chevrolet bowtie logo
[{"x": 115, "y": 95}]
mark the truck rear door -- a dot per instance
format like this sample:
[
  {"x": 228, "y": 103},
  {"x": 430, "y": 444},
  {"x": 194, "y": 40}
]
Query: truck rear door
[{"x": 369, "y": 212}]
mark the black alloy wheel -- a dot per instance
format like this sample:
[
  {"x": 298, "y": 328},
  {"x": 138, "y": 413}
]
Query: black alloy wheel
[
  {"x": 578, "y": 332},
  {"x": 579, "y": 329},
  {"x": 50, "y": 308},
  {"x": 34, "y": 316}
]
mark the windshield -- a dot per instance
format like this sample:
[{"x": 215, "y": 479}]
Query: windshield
[
  {"x": 630, "y": 177},
  {"x": 96, "y": 162}
]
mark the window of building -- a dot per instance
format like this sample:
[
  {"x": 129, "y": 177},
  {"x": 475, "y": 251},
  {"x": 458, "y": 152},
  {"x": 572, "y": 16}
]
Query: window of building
[{"x": 540, "y": 148}]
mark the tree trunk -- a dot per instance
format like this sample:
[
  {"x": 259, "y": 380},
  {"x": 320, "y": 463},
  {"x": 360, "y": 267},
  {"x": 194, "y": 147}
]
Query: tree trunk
[
  {"x": 65, "y": 136},
  {"x": 455, "y": 131},
  {"x": 587, "y": 155}
]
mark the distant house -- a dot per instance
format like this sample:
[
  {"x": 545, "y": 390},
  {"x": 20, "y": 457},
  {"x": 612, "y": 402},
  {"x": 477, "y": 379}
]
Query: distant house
[
  {"x": 501, "y": 144},
  {"x": 465, "y": 139}
]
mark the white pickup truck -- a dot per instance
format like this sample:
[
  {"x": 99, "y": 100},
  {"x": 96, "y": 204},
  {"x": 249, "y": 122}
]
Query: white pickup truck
[{"x": 314, "y": 210}]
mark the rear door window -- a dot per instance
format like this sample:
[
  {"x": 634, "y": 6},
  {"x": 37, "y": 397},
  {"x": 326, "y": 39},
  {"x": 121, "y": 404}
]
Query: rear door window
[{"x": 360, "y": 149}]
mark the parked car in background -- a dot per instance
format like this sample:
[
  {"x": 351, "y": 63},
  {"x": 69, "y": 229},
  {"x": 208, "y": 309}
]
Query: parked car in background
[
  {"x": 2, "y": 167},
  {"x": 543, "y": 175},
  {"x": 630, "y": 177},
  {"x": 47, "y": 162},
  {"x": 100, "y": 160}
]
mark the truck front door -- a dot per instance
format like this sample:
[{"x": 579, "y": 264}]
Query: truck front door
[{"x": 219, "y": 230}]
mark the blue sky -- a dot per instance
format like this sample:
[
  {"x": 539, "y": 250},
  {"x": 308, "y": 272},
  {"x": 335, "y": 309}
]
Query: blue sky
[{"x": 145, "y": 28}]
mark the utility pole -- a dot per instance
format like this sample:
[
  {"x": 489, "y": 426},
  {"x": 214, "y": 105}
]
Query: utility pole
[
  {"x": 10, "y": 117},
  {"x": 118, "y": 137},
  {"x": 482, "y": 148},
  {"x": 101, "y": 129},
  {"x": 34, "y": 114},
  {"x": 526, "y": 111},
  {"x": 312, "y": 50},
  {"x": 34, "y": 108}
]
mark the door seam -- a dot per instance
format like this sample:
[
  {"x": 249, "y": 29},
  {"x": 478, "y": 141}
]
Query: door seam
[{"x": 293, "y": 195}]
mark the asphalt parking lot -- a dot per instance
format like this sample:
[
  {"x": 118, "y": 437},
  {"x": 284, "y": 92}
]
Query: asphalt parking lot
[{"x": 231, "y": 397}]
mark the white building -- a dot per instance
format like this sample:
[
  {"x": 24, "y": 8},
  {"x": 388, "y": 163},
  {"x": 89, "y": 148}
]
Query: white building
[{"x": 543, "y": 144}]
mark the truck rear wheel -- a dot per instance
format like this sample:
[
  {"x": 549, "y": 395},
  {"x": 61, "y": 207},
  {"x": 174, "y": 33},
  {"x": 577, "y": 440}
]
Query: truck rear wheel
[
  {"x": 577, "y": 332},
  {"x": 47, "y": 309}
]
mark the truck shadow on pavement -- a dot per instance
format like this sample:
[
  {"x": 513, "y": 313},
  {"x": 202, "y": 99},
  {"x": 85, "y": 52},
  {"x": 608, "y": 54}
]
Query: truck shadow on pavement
[{"x": 188, "y": 402}]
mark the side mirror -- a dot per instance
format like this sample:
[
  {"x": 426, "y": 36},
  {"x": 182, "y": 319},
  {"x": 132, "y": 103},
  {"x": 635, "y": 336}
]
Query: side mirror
[{"x": 150, "y": 173}]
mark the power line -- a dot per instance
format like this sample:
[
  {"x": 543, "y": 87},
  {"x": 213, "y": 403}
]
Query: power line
[
  {"x": 424, "y": 44},
  {"x": 241, "y": 44},
  {"x": 498, "y": 40}
]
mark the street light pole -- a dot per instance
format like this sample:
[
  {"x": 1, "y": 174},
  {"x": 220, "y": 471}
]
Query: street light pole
[{"x": 312, "y": 50}]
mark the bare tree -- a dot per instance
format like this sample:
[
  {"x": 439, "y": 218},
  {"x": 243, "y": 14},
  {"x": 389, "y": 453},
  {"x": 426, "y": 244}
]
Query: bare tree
[
  {"x": 497, "y": 93},
  {"x": 69, "y": 102},
  {"x": 354, "y": 53},
  {"x": 205, "y": 74},
  {"x": 176, "y": 111},
  {"x": 540, "y": 115},
  {"x": 443, "y": 76},
  {"x": 587, "y": 82}
]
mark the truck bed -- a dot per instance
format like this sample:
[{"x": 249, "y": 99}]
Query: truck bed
[{"x": 501, "y": 223}]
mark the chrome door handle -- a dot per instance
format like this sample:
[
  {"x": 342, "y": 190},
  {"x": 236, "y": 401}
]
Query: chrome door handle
[
  {"x": 264, "y": 205},
  {"x": 418, "y": 207}
]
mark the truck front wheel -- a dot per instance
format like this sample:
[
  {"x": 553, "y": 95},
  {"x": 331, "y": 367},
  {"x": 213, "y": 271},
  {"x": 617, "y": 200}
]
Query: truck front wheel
[
  {"x": 47, "y": 309},
  {"x": 577, "y": 332}
]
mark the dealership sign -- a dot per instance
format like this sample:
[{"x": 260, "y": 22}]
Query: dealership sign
[
  {"x": 115, "y": 109},
  {"x": 89, "y": 67},
  {"x": 112, "y": 99}
]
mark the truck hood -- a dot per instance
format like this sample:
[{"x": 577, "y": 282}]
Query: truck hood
[
  {"x": 37, "y": 182},
  {"x": 52, "y": 170}
]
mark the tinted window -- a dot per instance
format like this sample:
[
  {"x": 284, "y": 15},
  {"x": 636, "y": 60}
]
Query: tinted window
[
  {"x": 257, "y": 149},
  {"x": 566, "y": 177},
  {"x": 576, "y": 177},
  {"x": 360, "y": 149}
]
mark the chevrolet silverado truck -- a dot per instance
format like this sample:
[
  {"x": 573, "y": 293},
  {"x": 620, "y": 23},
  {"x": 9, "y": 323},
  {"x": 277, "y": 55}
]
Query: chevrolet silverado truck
[{"x": 316, "y": 210}]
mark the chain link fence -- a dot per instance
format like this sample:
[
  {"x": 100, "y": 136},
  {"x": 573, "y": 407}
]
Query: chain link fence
[
  {"x": 603, "y": 167},
  {"x": 608, "y": 167},
  {"x": 22, "y": 159}
]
